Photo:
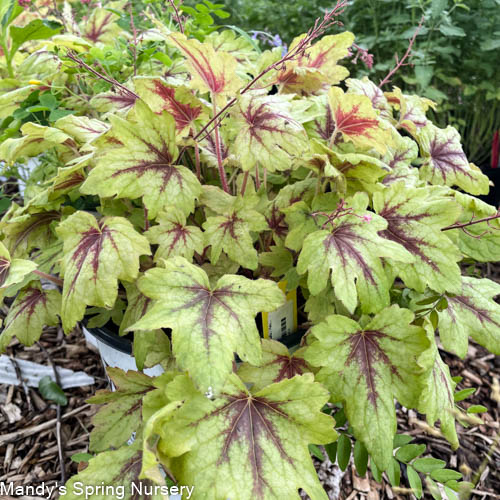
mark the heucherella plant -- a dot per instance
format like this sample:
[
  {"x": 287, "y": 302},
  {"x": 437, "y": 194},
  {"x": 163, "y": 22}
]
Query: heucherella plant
[{"x": 190, "y": 201}]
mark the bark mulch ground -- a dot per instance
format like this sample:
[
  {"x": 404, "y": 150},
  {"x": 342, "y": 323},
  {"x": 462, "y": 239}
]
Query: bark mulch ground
[{"x": 29, "y": 450}]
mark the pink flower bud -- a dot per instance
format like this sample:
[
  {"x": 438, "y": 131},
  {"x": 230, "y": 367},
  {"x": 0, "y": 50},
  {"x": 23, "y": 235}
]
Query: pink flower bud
[{"x": 367, "y": 217}]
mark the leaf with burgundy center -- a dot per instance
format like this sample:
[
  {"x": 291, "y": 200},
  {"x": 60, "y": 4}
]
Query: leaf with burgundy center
[
  {"x": 113, "y": 471},
  {"x": 101, "y": 26},
  {"x": 277, "y": 365},
  {"x": 211, "y": 71},
  {"x": 33, "y": 308},
  {"x": 357, "y": 121},
  {"x": 445, "y": 162},
  {"x": 415, "y": 217},
  {"x": 179, "y": 101},
  {"x": 370, "y": 90},
  {"x": 259, "y": 439},
  {"x": 367, "y": 367},
  {"x": 96, "y": 255},
  {"x": 266, "y": 133},
  {"x": 209, "y": 324},
  {"x": 473, "y": 313},
  {"x": 173, "y": 236},
  {"x": 316, "y": 66},
  {"x": 351, "y": 251},
  {"x": 144, "y": 165}
]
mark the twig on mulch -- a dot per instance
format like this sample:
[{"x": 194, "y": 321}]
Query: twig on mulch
[
  {"x": 60, "y": 443},
  {"x": 23, "y": 383}
]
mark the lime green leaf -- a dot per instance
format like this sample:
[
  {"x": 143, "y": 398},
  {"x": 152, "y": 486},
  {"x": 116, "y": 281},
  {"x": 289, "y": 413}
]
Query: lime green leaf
[
  {"x": 428, "y": 464},
  {"x": 415, "y": 218},
  {"x": 12, "y": 271},
  {"x": 409, "y": 451},
  {"x": 173, "y": 236},
  {"x": 366, "y": 368},
  {"x": 343, "y": 451},
  {"x": 151, "y": 347},
  {"x": 474, "y": 313},
  {"x": 277, "y": 364},
  {"x": 142, "y": 164},
  {"x": 211, "y": 71},
  {"x": 231, "y": 230},
  {"x": 176, "y": 100},
  {"x": 81, "y": 128},
  {"x": 415, "y": 481},
  {"x": 446, "y": 163},
  {"x": 33, "y": 308},
  {"x": 208, "y": 323},
  {"x": 464, "y": 394},
  {"x": 315, "y": 66},
  {"x": 370, "y": 90},
  {"x": 51, "y": 391},
  {"x": 352, "y": 250},
  {"x": 112, "y": 471},
  {"x": 267, "y": 135},
  {"x": 436, "y": 400},
  {"x": 400, "y": 440},
  {"x": 263, "y": 436},
  {"x": 35, "y": 30},
  {"x": 444, "y": 475},
  {"x": 121, "y": 415},
  {"x": 96, "y": 255},
  {"x": 477, "y": 409},
  {"x": 101, "y": 26}
]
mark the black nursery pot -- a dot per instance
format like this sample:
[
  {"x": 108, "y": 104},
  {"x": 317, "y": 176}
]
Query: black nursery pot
[{"x": 493, "y": 197}]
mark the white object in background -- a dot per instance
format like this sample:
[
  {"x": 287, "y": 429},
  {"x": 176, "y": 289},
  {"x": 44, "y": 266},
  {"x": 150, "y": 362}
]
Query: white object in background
[
  {"x": 118, "y": 359},
  {"x": 33, "y": 372}
]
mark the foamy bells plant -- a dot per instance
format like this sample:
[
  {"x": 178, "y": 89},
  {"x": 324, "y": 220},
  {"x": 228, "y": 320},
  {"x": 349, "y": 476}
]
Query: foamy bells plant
[{"x": 177, "y": 217}]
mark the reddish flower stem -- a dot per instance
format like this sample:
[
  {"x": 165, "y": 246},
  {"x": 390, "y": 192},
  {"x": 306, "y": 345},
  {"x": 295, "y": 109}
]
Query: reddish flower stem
[
  {"x": 176, "y": 15},
  {"x": 471, "y": 222},
  {"x": 244, "y": 184},
  {"x": 401, "y": 62},
  {"x": 222, "y": 172}
]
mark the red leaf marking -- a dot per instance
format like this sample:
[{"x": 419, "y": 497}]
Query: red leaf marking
[
  {"x": 325, "y": 131},
  {"x": 184, "y": 114},
  {"x": 250, "y": 419},
  {"x": 37, "y": 220},
  {"x": 204, "y": 69},
  {"x": 351, "y": 124},
  {"x": 366, "y": 351},
  {"x": 29, "y": 303},
  {"x": 289, "y": 367},
  {"x": 4, "y": 270},
  {"x": 447, "y": 160},
  {"x": 96, "y": 31},
  {"x": 229, "y": 225}
]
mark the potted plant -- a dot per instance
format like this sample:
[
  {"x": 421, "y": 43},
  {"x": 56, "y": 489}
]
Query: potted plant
[{"x": 236, "y": 183}]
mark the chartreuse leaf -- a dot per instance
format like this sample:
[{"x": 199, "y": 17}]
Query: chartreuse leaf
[
  {"x": 266, "y": 133},
  {"x": 445, "y": 162},
  {"x": 12, "y": 271},
  {"x": 101, "y": 26},
  {"x": 82, "y": 128},
  {"x": 112, "y": 471},
  {"x": 357, "y": 121},
  {"x": 173, "y": 236},
  {"x": 96, "y": 255},
  {"x": 436, "y": 400},
  {"x": 33, "y": 308},
  {"x": 211, "y": 71},
  {"x": 230, "y": 230},
  {"x": 370, "y": 90},
  {"x": 366, "y": 368},
  {"x": 474, "y": 313},
  {"x": 121, "y": 414},
  {"x": 315, "y": 66},
  {"x": 143, "y": 165},
  {"x": 352, "y": 250},
  {"x": 259, "y": 440},
  {"x": 208, "y": 323},
  {"x": 179, "y": 101},
  {"x": 277, "y": 364},
  {"x": 415, "y": 218}
]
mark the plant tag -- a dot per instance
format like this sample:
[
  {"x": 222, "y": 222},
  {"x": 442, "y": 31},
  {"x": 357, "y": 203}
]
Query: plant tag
[{"x": 282, "y": 321}]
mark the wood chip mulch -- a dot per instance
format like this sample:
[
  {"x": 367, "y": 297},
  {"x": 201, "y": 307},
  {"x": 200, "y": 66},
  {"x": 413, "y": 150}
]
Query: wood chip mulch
[{"x": 29, "y": 451}]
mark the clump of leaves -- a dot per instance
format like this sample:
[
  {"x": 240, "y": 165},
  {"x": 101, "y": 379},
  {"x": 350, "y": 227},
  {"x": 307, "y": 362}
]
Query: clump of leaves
[{"x": 175, "y": 216}]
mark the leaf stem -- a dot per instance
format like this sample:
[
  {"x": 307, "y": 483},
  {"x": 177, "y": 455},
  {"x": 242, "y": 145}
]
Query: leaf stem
[
  {"x": 471, "y": 222},
  {"x": 49, "y": 277},
  {"x": 222, "y": 172}
]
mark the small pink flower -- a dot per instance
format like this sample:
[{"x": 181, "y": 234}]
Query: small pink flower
[
  {"x": 86, "y": 1},
  {"x": 24, "y": 3},
  {"x": 367, "y": 217}
]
